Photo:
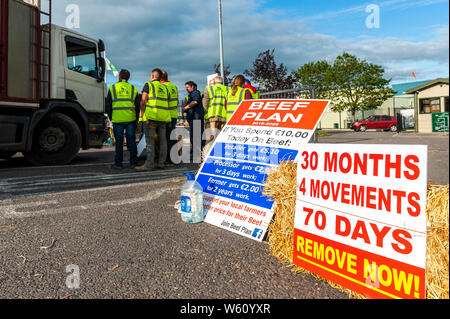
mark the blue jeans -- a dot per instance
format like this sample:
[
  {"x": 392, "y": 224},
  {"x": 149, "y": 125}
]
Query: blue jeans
[{"x": 130, "y": 129}]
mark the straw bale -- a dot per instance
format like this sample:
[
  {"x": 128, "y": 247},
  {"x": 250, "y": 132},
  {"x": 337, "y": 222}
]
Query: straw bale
[
  {"x": 437, "y": 273},
  {"x": 280, "y": 185}
]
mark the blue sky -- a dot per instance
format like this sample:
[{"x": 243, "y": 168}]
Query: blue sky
[
  {"x": 182, "y": 37},
  {"x": 346, "y": 19}
]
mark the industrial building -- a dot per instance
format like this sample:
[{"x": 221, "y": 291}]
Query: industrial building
[{"x": 414, "y": 100}]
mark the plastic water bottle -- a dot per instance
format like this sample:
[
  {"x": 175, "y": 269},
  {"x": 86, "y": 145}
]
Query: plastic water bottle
[{"x": 191, "y": 200}]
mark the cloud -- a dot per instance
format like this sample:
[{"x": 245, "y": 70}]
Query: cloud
[
  {"x": 388, "y": 5},
  {"x": 183, "y": 37},
  {"x": 389, "y": 50},
  {"x": 428, "y": 58}
]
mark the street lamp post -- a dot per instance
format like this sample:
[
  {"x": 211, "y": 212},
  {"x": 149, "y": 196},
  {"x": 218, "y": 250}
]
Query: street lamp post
[{"x": 221, "y": 40}]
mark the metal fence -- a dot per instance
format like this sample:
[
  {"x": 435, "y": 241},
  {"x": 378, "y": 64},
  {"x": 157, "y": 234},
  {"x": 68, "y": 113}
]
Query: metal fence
[{"x": 305, "y": 92}]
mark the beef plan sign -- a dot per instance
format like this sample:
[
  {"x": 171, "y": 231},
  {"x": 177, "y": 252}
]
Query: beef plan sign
[
  {"x": 360, "y": 217},
  {"x": 259, "y": 135}
]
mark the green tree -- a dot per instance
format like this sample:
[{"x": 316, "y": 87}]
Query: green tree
[
  {"x": 316, "y": 75},
  {"x": 357, "y": 85}
]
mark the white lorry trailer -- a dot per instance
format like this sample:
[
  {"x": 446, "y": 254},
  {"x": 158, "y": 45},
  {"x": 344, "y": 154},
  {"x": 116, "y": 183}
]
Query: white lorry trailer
[{"x": 52, "y": 89}]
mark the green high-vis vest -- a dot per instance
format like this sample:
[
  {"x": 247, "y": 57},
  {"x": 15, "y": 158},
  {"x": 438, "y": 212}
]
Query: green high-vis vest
[
  {"x": 123, "y": 108},
  {"x": 233, "y": 101},
  {"x": 217, "y": 98},
  {"x": 157, "y": 106}
]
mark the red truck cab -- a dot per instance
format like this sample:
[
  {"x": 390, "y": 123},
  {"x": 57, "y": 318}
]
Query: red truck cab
[{"x": 52, "y": 86}]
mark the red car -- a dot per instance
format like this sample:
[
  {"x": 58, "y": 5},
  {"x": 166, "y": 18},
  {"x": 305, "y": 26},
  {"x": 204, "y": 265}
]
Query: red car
[{"x": 384, "y": 122}]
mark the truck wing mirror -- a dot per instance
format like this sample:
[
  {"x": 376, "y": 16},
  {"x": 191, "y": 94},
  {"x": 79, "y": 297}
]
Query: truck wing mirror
[
  {"x": 101, "y": 45},
  {"x": 102, "y": 72}
]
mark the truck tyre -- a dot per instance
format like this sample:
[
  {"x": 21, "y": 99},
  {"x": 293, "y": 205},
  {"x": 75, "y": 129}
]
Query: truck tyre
[
  {"x": 6, "y": 155},
  {"x": 56, "y": 141}
]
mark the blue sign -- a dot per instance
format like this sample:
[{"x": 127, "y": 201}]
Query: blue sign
[
  {"x": 233, "y": 189},
  {"x": 251, "y": 172},
  {"x": 253, "y": 153}
]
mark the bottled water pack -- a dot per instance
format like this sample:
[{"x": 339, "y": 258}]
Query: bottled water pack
[{"x": 191, "y": 200}]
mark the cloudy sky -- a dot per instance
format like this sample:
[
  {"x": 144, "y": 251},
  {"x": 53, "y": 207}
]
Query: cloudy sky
[{"x": 182, "y": 36}]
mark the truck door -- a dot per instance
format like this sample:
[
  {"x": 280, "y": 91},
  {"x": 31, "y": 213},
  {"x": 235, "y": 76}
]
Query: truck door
[{"x": 82, "y": 74}]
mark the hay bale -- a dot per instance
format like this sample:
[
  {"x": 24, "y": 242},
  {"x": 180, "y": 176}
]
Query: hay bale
[
  {"x": 280, "y": 185},
  {"x": 437, "y": 242}
]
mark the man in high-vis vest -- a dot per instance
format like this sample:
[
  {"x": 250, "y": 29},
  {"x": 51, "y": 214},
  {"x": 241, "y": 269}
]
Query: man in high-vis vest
[
  {"x": 236, "y": 94},
  {"x": 122, "y": 107},
  {"x": 155, "y": 108},
  {"x": 173, "y": 109},
  {"x": 214, "y": 101}
]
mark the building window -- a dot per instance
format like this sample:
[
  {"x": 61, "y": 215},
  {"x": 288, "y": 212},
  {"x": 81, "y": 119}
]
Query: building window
[
  {"x": 446, "y": 104},
  {"x": 429, "y": 105}
]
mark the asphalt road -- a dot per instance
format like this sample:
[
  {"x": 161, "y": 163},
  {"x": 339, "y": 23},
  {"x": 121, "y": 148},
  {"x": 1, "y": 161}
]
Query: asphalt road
[
  {"x": 133, "y": 244},
  {"x": 120, "y": 232},
  {"x": 119, "y": 229}
]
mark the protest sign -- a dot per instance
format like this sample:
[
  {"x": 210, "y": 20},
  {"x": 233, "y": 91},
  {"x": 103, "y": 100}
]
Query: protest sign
[
  {"x": 360, "y": 217},
  {"x": 259, "y": 135}
]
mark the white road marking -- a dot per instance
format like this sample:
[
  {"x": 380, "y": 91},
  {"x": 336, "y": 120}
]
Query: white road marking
[
  {"x": 38, "y": 184},
  {"x": 58, "y": 166},
  {"x": 13, "y": 208},
  {"x": 17, "y": 210}
]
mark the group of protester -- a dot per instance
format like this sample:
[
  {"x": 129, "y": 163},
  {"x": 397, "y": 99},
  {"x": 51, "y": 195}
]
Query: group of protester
[{"x": 157, "y": 109}]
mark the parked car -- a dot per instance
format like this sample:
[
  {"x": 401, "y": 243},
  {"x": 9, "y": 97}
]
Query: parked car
[{"x": 384, "y": 122}]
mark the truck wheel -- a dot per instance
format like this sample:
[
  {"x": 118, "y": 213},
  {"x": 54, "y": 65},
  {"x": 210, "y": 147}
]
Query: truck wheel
[
  {"x": 6, "y": 155},
  {"x": 56, "y": 141}
]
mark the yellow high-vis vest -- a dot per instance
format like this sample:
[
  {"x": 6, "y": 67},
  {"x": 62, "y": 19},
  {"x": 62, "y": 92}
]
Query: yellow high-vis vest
[
  {"x": 157, "y": 106},
  {"x": 142, "y": 118},
  {"x": 217, "y": 97},
  {"x": 123, "y": 96},
  {"x": 255, "y": 95},
  {"x": 233, "y": 101},
  {"x": 173, "y": 99}
]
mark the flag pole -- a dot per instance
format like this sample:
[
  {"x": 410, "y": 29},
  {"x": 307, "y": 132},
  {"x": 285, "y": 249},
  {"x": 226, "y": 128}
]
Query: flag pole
[{"x": 106, "y": 71}]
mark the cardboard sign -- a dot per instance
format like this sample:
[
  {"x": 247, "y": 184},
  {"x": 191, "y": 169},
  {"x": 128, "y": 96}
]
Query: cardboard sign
[
  {"x": 259, "y": 135},
  {"x": 210, "y": 78},
  {"x": 360, "y": 217}
]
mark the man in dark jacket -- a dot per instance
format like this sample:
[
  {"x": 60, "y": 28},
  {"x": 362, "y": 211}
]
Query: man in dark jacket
[
  {"x": 124, "y": 116},
  {"x": 195, "y": 117}
]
